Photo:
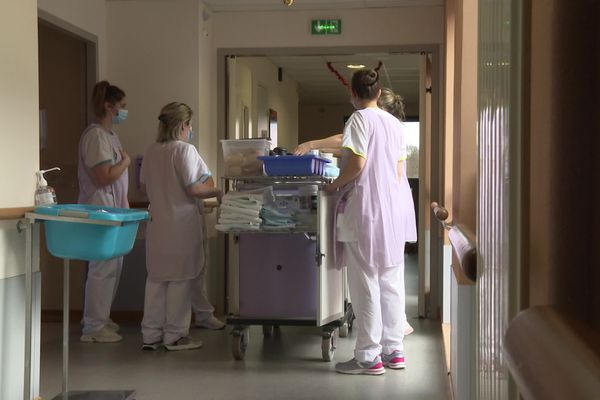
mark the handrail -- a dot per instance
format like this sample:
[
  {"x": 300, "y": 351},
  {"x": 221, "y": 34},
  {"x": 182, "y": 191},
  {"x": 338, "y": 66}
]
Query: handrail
[
  {"x": 553, "y": 356},
  {"x": 440, "y": 212},
  {"x": 14, "y": 213},
  {"x": 462, "y": 240}
]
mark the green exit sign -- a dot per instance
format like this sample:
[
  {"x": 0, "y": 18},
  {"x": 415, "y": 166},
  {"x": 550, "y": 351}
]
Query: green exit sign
[{"x": 326, "y": 26}]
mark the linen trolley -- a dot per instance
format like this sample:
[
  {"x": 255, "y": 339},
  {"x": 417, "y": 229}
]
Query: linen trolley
[{"x": 286, "y": 276}]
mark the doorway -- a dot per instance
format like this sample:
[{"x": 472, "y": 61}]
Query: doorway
[{"x": 293, "y": 128}]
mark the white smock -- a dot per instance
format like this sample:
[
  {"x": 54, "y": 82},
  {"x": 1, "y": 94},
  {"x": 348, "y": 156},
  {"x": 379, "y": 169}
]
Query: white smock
[
  {"x": 174, "y": 236},
  {"x": 98, "y": 146}
]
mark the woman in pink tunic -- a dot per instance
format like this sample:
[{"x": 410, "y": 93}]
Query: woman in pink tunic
[{"x": 371, "y": 226}]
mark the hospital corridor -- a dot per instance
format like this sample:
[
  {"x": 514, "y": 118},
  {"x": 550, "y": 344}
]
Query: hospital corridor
[{"x": 299, "y": 199}]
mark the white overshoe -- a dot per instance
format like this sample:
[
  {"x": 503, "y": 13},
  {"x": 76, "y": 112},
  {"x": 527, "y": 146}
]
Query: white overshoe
[
  {"x": 211, "y": 322},
  {"x": 104, "y": 335},
  {"x": 184, "y": 343}
]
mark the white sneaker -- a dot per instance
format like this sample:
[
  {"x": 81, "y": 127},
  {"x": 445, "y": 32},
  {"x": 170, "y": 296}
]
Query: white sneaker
[
  {"x": 211, "y": 322},
  {"x": 184, "y": 343},
  {"x": 112, "y": 325},
  {"x": 408, "y": 329},
  {"x": 104, "y": 335}
]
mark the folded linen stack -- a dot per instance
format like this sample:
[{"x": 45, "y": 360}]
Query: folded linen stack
[
  {"x": 274, "y": 218},
  {"x": 240, "y": 212}
]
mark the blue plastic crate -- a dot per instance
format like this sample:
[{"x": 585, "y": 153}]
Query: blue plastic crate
[
  {"x": 305, "y": 165},
  {"x": 84, "y": 241}
]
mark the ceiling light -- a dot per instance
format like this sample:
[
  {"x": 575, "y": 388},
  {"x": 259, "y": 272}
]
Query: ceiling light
[
  {"x": 288, "y": 2},
  {"x": 355, "y": 66}
]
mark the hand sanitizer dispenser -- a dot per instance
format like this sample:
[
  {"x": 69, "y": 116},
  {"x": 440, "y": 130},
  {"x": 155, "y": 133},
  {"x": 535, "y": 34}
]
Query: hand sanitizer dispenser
[{"x": 44, "y": 194}]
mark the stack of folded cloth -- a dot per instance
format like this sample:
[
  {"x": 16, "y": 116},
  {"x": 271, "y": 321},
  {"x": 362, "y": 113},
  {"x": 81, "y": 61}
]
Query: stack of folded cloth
[
  {"x": 240, "y": 212},
  {"x": 274, "y": 218}
]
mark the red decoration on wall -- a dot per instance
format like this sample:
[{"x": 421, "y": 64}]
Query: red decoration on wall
[{"x": 336, "y": 73}]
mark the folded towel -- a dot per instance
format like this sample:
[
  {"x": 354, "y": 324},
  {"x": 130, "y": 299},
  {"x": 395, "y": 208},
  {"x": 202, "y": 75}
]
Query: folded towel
[
  {"x": 226, "y": 219},
  {"x": 236, "y": 227},
  {"x": 278, "y": 227},
  {"x": 239, "y": 211},
  {"x": 245, "y": 205},
  {"x": 245, "y": 196}
]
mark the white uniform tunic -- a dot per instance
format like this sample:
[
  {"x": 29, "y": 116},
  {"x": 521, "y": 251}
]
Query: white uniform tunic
[
  {"x": 174, "y": 249},
  {"x": 98, "y": 146},
  {"x": 175, "y": 255}
]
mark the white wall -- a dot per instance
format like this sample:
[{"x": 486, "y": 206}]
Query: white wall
[
  {"x": 319, "y": 121},
  {"x": 18, "y": 103},
  {"x": 89, "y": 16},
  {"x": 373, "y": 26},
  {"x": 281, "y": 97},
  {"x": 18, "y": 163},
  {"x": 154, "y": 55}
]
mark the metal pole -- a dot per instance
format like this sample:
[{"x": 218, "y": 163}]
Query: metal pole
[
  {"x": 28, "y": 310},
  {"x": 65, "y": 381}
]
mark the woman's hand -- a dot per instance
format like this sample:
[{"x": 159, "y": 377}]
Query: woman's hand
[
  {"x": 125, "y": 158},
  {"x": 330, "y": 188},
  {"x": 302, "y": 149}
]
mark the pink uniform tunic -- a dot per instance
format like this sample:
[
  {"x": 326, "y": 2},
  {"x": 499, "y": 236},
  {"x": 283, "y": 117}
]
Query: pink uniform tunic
[{"x": 378, "y": 207}]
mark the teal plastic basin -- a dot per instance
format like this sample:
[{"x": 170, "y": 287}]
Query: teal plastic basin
[{"x": 83, "y": 241}]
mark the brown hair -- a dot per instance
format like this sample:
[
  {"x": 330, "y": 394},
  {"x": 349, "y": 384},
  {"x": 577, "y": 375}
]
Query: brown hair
[
  {"x": 105, "y": 92},
  {"x": 171, "y": 119},
  {"x": 365, "y": 84},
  {"x": 392, "y": 103}
]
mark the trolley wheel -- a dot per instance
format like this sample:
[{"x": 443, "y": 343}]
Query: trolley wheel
[
  {"x": 328, "y": 345},
  {"x": 268, "y": 330},
  {"x": 239, "y": 343},
  {"x": 344, "y": 329}
]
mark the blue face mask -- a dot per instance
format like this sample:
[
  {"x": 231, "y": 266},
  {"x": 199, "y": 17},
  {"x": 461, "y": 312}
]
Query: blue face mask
[
  {"x": 190, "y": 135},
  {"x": 120, "y": 117}
]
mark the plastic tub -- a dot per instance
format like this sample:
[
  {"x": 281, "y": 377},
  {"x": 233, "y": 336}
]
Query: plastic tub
[
  {"x": 86, "y": 241},
  {"x": 305, "y": 165},
  {"x": 240, "y": 156}
]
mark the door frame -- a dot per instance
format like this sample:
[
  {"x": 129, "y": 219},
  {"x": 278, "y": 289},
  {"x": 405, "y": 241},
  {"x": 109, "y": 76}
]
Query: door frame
[{"x": 428, "y": 306}]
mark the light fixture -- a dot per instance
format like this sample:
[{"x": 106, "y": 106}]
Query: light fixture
[
  {"x": 355, "y": 66},
  {"x": 288, "y": 3}
]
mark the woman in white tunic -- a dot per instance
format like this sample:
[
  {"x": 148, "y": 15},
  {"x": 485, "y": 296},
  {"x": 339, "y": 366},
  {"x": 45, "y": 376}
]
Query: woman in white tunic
[
  {"x": 372, "y": 229},
  {"x": 103, "y": 180},
  {"x": 176, "y": 180}
]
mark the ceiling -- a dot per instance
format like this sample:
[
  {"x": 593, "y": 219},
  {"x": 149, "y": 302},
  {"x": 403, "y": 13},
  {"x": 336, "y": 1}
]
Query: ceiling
[
  {"x": 318, "y": 85},
  {"x": 269, "y": 5}
]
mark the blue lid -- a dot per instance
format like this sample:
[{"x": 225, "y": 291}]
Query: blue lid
[
  {"x": 93, "y": 212},
  {"x": 291, "y": 157}
]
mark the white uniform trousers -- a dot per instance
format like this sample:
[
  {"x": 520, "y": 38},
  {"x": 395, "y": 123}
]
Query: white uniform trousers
[
  {"x": 378, "y": 304},
  {"x": 167, "y": 311},
  {"x": 100, "y": 291},
  {"x": 201, "y": 307}
]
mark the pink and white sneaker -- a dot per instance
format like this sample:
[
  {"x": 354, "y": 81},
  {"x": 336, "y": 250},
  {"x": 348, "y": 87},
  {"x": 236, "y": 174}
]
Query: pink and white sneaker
[
  {"x": 353, "y": 367},
  {"x": 394, "y": 360}
]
